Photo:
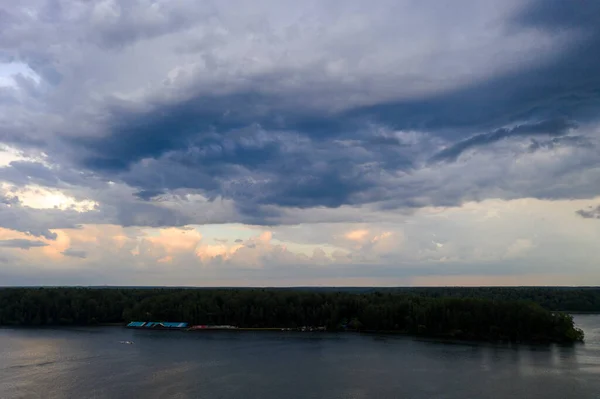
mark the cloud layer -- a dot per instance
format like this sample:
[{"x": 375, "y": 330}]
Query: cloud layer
[{"x": 156, "y": 114}]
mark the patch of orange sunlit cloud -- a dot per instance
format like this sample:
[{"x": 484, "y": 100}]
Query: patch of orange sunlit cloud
[
  {"x": 209, "y": 251},
  {"x": 357, "y": 235},
  {"x": 174, "y": 239},
  {"x": 362, "y": 237}
]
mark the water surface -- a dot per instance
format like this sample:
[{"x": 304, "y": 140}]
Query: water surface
[{"x": 92, "y": 363}]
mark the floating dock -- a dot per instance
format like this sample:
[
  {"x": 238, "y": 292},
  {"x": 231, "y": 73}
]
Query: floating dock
[
  {"x": 164, "y": 325},
  {"x": 203, "y": 327}
]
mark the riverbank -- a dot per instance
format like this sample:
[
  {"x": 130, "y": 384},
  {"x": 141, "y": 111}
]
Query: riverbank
[
  {"x": 454, "y": 335},
  {"x": 469, "y": 318}
]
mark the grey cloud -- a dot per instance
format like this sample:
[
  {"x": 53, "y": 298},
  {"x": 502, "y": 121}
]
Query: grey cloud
[
  {"x": 551, "y": 128},
  {"x": 22, "y": 243},
  {"x": 564, "y": 85},
  {"x": 271, "y": 167},
  {"x": 121, "y": 23},
  {"x": 385, "y": 140},
  {"x": 239, "y": 240},
  {"x": 22, "y": 173},
  {"x": 590, "y": 213},
  {"x": 74, "y": 253},
  {"x": 148, "y": 194},
  {"x": 257, "y": 167},
  {"x": 44, "y": 233},
  {"x": 36, "y": 222},
  {"x": 30, "y": 172},
  {"x": 8, "y": 96},
  {"x": 552, "y": 14},
  {"x": 143, "y": 214},
  {"x": 303, "y": 124},
  {"x": 119, "y": 205},
  {"x": 9, "y": 200},
  {"x": 576, "y": 141}
]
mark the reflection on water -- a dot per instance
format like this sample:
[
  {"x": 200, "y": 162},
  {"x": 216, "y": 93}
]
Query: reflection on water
[{"x": 65, "y": 363}]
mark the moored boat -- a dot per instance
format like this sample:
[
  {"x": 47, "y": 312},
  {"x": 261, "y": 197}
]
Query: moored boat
[{"x": 157, "y": 325}]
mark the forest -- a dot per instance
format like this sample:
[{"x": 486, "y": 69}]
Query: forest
[
  {"x": 567, "y": 299},
  {"x": 487, "y": 315}
]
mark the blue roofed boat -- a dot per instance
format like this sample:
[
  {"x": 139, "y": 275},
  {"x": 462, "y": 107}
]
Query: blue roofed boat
[
  {"x": 157, "y": 325},
  {"x": 136, "y": 324}
]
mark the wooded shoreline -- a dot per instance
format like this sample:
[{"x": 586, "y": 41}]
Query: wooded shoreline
[{"x": 429, "y": 314}]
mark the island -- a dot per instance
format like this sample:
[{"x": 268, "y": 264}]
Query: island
[{"x": 402, "y": 311}]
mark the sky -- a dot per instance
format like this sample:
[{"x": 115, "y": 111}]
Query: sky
[{"x": 286, "y": 143}]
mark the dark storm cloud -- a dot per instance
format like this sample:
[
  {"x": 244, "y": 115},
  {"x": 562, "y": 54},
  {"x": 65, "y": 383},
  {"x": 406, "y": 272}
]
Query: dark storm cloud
[
  {"x": 567, "y": 86},
  {"x": 270, "y": 168},
  {"x": 22, "y": 243},
  {"x": 556, "y": 14},
  {"x": 232, "y": 145},
  {"x": 275, "y": 139},
  {"x": 197, "y": 123}
]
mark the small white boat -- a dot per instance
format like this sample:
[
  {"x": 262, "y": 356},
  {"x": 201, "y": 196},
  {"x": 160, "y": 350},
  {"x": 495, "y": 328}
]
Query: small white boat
[{"x": 126, "y": 342}]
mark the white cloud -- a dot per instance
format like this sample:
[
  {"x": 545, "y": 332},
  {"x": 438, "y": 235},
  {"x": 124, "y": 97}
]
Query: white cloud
[
  {"x": 10, "y": 72},
  {"x": 44, "y": 198}
]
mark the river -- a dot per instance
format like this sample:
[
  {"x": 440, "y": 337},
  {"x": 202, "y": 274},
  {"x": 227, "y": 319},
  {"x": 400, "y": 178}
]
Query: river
[{"x": 92, "y": 363}]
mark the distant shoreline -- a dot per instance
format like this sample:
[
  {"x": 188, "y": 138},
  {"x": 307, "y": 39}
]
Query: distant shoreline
[{"x": 489, "y": 314}]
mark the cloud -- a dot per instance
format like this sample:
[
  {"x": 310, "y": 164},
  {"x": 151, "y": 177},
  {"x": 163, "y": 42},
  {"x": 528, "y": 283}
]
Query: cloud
[
  {"x": 556, "y": 142},
  {"x": 357, "y": 235},
  {"x": 148, "y": 194},
  {"x": 489, "y": 238},
  {"x": 271, "y": 153},
  {"x": 74, "y": 253},
  {"x": 314, "y": 119},
  {"x": 118, "y": 24},
  {"x": 550, "y": 128},
  {"x": 589, "y": 213},
  {"x": 22, "y": 243}
]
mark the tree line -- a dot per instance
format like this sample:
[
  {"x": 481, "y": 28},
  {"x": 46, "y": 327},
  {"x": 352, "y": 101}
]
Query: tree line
[
  {"x": 409, "y": 312},
  {"x": 567, "y": 299}
]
